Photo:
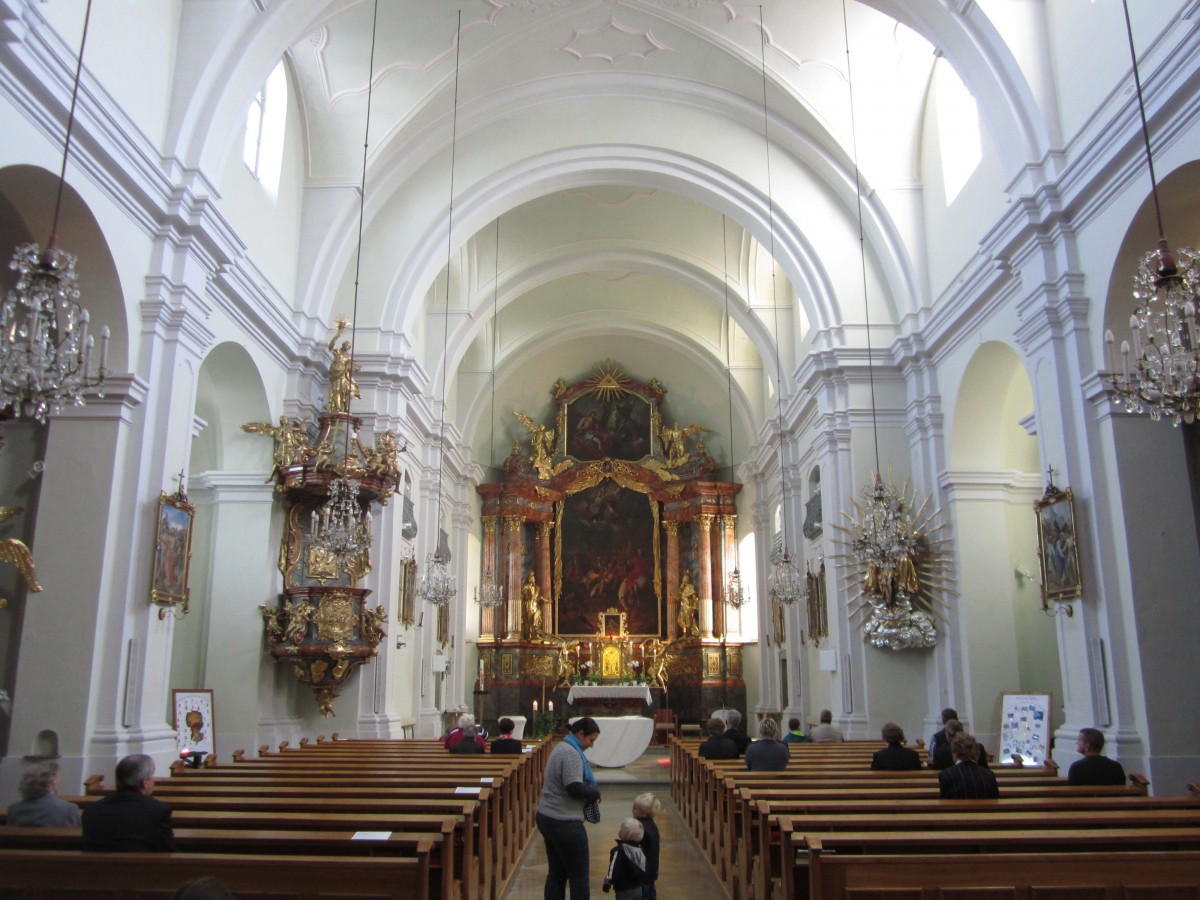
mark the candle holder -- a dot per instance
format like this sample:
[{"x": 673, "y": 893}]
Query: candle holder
[{"x": 193, "y": 759}]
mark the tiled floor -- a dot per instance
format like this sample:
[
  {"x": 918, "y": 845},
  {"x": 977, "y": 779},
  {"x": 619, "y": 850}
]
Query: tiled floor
[{"x": 683, "y": 872}]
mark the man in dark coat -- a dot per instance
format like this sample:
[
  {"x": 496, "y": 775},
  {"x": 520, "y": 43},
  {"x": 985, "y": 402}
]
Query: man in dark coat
[
  {"x": 506, "y": 743},
  {"x": 966, "y": 779},
  {"x": 1095, "y": 768},
  {"x": 940, "y": 739},
  {"x": 717, "y": 746},
  {"x": 895, "y": 757},
  {"x": 733, "y": 731},
  {"x": 129, "y": 819}
]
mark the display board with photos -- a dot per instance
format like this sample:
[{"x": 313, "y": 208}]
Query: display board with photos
[{"x": 1024, "y": 729}]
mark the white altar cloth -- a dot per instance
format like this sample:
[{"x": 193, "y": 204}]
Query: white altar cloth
[
  {"x": 622, "y": 740},
  {"x": 609, "y": 691}
]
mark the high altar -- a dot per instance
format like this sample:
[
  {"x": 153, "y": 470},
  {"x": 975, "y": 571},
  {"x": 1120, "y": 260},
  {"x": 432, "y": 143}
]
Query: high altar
[{"x": 612, "y": 541}]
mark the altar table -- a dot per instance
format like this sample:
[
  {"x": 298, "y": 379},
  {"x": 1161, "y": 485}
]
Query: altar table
[
  {"x": 609, "y": 692},
  {"x": 622, "y": 740}
]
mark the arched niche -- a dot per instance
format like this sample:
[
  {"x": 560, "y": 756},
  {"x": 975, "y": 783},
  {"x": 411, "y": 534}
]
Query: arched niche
[
  {"x": 27, "y": 195},
  {"x": 1008, "y": 643}
]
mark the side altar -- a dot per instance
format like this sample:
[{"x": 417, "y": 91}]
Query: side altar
[{"x": 611, "y": 539}]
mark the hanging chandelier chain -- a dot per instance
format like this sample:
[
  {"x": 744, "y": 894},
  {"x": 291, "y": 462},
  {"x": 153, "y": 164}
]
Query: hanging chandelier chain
[
  {"x": 62, "y": 177},
  {"x": 862, "y": 245},
  {"x": 1137, "y": 82}
]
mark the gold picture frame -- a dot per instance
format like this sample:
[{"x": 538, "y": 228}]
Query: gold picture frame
[
  {"x": 1058, "y": 547},
  {"x": 408, "y": 592},
  {"x": 172, "y": 553}
]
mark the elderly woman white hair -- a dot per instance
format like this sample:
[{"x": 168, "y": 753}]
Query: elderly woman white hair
[
  {"x": 40, "y": 805},
  {"x": 465, "y": 720}
]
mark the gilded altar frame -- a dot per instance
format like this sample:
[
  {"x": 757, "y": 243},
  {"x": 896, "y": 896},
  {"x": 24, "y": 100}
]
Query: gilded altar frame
[{"x": 172, "y": 552}]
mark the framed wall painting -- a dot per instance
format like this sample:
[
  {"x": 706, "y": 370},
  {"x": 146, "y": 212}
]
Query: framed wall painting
[
  {"x": 1058, "y": 549},
  {"x": 1024, "y": 729},
  {"x": 408, "y": 592},
  {"x": 193, "y": 719},
  {"x": 172, "y": 552}
]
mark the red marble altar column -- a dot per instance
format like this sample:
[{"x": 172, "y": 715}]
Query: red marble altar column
[
  {"x": 705, "y": 587},
  {"x": 545, "y": 585},
  {"x": 729, "y": 564},
  {"x": 513, "y": 528},
  {"x": 487, "y": 617},
  {"x": 672, "y": 529}
]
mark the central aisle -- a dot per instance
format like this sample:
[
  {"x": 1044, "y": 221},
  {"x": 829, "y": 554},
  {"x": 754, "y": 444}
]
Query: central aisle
[{"x": 683, "y": 871}]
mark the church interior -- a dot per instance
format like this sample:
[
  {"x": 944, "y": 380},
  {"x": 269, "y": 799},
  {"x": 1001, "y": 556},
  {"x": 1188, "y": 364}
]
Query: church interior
[{"x": 456, "y": 355}]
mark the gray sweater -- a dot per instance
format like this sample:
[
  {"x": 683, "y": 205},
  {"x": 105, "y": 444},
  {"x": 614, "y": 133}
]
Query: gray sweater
[{"x": 564, "y": 767}]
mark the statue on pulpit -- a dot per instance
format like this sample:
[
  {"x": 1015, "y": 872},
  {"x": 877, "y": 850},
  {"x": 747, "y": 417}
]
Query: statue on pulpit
[
  {"x": 689, "y": 608},
  {"x": 531, "y": 605}
]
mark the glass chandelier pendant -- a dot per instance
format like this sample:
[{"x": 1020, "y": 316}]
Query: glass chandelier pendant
[
  {"x": 735, "y": 592},
  {"x": 1163, "y": 379},
  {"x": 438, "y": 586},
  {"x": 786, "y": 583},
  {"x": 341, "y": 528},
  {"x": 490, "y": 593},
  {"x": 46, "y": 351}
]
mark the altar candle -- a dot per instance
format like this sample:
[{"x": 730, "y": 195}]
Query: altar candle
[
  {"x": 535, "y": 709},
  {"x": 550, "y": 706}
]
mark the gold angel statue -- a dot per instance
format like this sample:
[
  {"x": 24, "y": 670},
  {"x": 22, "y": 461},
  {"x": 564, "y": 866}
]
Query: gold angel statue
[
  {"x": 674, "y": 442},
  {"x": 16, "y": 554},
  {"x": 541, "y": 438},
  {"x": 342, "y": 385},
  {"x": 384, "y": 458},
  {"x": 291, "y": 441}
]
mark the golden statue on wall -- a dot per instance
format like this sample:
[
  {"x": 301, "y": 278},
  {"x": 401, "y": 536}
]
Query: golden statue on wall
[
  {"x": 531, "y": 610},
  {"x": 689, "y": 608}
]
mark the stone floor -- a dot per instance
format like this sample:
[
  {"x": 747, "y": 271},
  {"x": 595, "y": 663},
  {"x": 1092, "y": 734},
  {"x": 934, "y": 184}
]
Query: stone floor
[{"x": 683, "y": 871}]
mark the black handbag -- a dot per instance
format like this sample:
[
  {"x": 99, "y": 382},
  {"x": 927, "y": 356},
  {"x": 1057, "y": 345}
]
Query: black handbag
[{"x": 591, "y": 811}]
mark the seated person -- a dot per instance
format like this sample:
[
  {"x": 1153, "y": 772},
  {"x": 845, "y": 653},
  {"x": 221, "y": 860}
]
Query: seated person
[
  {"x": 1093, "y": 769},
  {"x": 966, "y": 779},
  {"x": 826, "y": 733},
  {"x": 734, "y": 732},
  {"x": 717, "y": 746},
  {"x": 895, "y": 757},
  {"x": 39, "y": 804},
  {"x": 939, "y": 737},
  {"x": 943, "y": 758},
  {"x": 506, "y": 743},
  {"x": 470, "y": 742},
  {"x": 768, "y": 753},
  {"x": 456, "y": 734},
  {"x": 129, "y": 819},
  {"x": 795, "y": 733}
]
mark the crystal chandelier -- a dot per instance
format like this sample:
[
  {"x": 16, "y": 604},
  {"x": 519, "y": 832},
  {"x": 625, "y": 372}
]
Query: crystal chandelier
[
  {"x": 786, "y": 584},
  {"x": 341, "y": 527},
  {"x": 46, "y": 351},
  {"x": 1164, "y": 379},
  {"x": 438, "y": 585}
]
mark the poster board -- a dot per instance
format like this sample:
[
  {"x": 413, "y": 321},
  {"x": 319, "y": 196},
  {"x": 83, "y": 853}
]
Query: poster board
[
  {"x": 193, "y": 719},
  {"x": 1024, "y": 729}
]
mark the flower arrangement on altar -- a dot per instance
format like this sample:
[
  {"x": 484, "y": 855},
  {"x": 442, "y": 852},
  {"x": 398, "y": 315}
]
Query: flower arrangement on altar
[{"x": 585, "y": 674}]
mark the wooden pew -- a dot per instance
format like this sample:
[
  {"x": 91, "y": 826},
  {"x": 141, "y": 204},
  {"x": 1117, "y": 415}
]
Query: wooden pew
[
  {"x": 77, "y": 875},
  {"x": 471, "y": 841},
  {"x": 1134, "y": 875}
]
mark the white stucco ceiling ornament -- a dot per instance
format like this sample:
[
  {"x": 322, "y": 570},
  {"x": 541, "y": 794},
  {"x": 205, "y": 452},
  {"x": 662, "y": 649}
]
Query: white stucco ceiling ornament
[
  {"x": 612, "y": 42},
  {"x": 898, "y": 565}
]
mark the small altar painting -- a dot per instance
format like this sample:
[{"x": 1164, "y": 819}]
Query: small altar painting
[{"x": 618, "y": 427}]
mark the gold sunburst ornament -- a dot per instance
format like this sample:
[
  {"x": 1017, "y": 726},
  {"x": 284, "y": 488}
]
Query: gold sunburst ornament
[
  {"x": 898, "y": 564},
  {"x": 608, "y": 381}
]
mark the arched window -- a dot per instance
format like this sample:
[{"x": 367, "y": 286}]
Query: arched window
[
  {"x": 958, "y": 129},
  {"x": 265, "y": 123}
]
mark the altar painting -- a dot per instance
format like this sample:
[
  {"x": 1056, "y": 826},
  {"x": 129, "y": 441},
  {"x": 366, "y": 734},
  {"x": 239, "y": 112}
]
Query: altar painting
[
  {"x": 617, "y": 427},
  {"x": 609, "y": 559}
]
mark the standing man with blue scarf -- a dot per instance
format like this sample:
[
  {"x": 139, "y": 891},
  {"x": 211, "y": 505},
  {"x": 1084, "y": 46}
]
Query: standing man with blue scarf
[{"x": 569, "y": 785}]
